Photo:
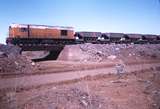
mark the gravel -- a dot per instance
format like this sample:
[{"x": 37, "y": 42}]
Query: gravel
[{"x": 102, "y": 52}]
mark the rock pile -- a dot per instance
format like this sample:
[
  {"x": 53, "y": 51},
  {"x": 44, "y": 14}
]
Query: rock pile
[
  {"x": 12, "y": 62},
  {"x": 102, "y": 52}
]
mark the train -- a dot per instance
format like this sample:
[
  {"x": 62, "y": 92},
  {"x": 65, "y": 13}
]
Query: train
[
  {"x": 39, "y": 34},
  {"x": 23, "y": 34}
]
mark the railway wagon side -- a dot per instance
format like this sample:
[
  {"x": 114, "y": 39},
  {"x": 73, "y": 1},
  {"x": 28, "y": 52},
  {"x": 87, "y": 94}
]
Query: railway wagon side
[{"x": 88, "y": 37}]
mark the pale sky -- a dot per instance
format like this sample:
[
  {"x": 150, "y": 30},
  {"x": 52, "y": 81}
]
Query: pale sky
[{"x": 126, "y": 16}]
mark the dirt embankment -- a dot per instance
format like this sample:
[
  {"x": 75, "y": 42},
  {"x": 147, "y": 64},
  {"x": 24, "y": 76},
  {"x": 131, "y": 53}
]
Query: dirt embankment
[
  {"x": 12, "y": 62},
  {"x": 103, "y": 52}
]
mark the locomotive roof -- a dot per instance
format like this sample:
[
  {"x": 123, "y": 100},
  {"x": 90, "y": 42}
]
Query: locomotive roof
[{"x": 40, "y": 26}]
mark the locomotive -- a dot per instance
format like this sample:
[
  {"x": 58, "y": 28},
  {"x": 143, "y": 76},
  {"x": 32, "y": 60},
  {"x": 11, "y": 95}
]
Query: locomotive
[
  {"x": 39, "y": 34},
  {"x": 23, "y": 34}
]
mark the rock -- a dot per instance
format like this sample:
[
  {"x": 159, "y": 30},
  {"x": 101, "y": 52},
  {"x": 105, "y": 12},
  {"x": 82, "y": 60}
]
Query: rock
[
  {"x": 2, "y": 54},
  {"x": 129, "y": 54},
  {"x": 33, "y": 63},
  {"x": 84, "y": 103},
  {"x": 120, "y": 69},
  {"x": 16, "y": 63},
  {"x": 117, "y": 49},
  {"x": 112, "y": 57}
]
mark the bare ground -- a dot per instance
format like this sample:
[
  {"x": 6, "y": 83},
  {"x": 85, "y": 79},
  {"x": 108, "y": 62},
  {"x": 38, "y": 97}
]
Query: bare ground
[
  {"x": 138, "y": 88},
  {"x": 132, "y": 90}
]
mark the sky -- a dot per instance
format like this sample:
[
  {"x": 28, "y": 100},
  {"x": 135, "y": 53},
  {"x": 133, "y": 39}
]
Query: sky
[{"x": 124, "y": 16}]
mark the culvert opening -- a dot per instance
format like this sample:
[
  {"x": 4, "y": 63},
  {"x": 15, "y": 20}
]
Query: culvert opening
[{"x": 52, "y": 55}]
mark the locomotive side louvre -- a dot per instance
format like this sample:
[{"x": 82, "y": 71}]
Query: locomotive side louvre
[{"x": 44, "y": 33}]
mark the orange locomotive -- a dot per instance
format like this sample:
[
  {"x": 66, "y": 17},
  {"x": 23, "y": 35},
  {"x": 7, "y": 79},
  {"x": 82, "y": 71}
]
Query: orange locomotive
[
  {"x": 19, "y": 33},
  {"x": 40, "y": 31}
]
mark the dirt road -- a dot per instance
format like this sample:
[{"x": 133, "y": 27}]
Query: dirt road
[{"x": 38, "y": 80}]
